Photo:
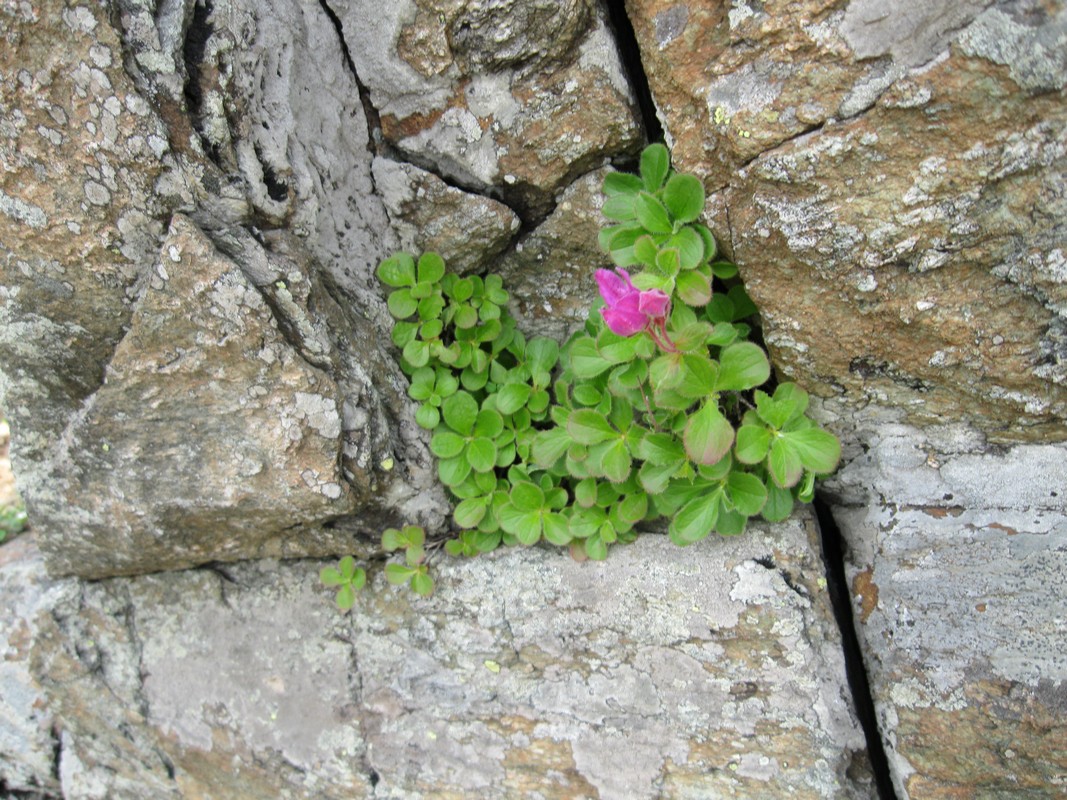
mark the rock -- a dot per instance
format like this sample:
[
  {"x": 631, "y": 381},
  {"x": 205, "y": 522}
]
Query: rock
[
  {"x": 549, "y": 273},
  {"x": 660, "y": 672},
  {"x": 169, "y": 466},
  {"x": 956, "y": 557},
  {"x": 522, "y": 96},
  {"x": 78, "y": 214},
  {"x": 468, "y": 230},
  {"x": 881, "y": 176}
]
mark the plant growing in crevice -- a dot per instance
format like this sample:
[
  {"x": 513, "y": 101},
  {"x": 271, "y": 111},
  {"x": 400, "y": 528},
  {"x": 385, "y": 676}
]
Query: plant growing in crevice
[{"x": 652, "y": 411}]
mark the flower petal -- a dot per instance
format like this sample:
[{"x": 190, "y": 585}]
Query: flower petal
[
  {"x": 614, "y": 285},
  {"x": 654, "y": 303},
  {"x": 623, "y": 322}
]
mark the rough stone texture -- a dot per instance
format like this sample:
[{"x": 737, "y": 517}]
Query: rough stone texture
[
  {"x": 892, "y": 182},
  {"x": 134, "y": 492},
  {"x": 80, "y": 151},
  {"x": 247, "y": 120},
  {"x": 522, "y": 96},
  {"x": 662, "y": 672},
  {"x": 549, "y": 273},
  {"x": 957, "y": 558},
  {"x": 468, "y": 230}
]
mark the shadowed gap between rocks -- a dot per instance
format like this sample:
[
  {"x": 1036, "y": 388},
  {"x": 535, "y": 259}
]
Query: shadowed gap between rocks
[
  {"x": 630, "y": 56},
  {"x": 855, "y": 671}
]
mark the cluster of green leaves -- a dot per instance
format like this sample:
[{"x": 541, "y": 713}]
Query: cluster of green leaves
[
  {"x": 579, "y": 445},
  {"x": 413, "y": 570}
]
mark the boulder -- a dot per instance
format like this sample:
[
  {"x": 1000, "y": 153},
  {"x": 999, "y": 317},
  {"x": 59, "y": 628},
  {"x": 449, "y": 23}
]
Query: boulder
[
  {"x": 523, "y": 96},
  {"x": 892, "y": 185},
  {"x": 956, "y": 557},
  {"x": 660, "y": 672}
]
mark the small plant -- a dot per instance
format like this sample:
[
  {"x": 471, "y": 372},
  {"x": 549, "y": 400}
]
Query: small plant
[
  {"x": 652, "y": 411},
  {"x": 12, "y": 520}
]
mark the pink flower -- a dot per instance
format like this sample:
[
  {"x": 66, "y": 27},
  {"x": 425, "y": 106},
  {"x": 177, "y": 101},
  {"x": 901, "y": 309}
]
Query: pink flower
[{"x": 630, "y": 310}]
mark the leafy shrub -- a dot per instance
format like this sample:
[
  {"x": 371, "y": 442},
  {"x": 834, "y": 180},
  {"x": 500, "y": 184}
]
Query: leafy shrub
[{"x": 652, "y": 411}]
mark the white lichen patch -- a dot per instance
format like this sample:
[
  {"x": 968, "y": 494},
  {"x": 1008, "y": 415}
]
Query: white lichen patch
[{"x": 319, "y": 413}]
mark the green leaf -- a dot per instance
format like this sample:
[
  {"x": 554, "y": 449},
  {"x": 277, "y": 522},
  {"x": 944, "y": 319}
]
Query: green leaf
[
  {"x": 404, "y": 332},
  {"x": 453, "y": 471},
  {"x": 661, "y": 449},
  {"x": 710, "y": 247},
  {"x": 646, "y": 250},
  {"x": 633, "y": 508},
  {"x": 693, "y": 337},
  {"x": 466, "y": 317},
  {"x": 556, "y": 529},
  {"x": 724, "y": 270},
  {"x": 619, "y": 207},
  {"x": 422, "y": 584},
  {"x": 587, "y": 426},
  {"x": 668, "y": 261},
  {"x": 446, "y": 444},
  {"x": 690, "y": 246},
  {"x": 585, "y": 360},
  {"x": 549, "y": 445},
  {"x": 720, "y": 309},
  {"x": 512, "y": 397},
  {"x": 399, "y": 574},
  {"x": 401, "y": 304},
  {"x": 746, "y": 492},
  {"x": 489, "y": 423},
  {"x": 615, "y": 461},
  {"x": 460, "y": 412},
  {"x": 652, "y": 214},
  {"x": 431, "y": 268},
  {"x": 723, "y": 334},
  {"x": 586, "y": 394},
  {"x": 596, "y": 548},
  {"x": 526, "y": 496},
  {"x": 330, "y": 576},
  {"x": 693, "y": 288},
  {"x": 698, "y": 377},
  {"x": 696, "y": 519},
  {"x": 346, "y": 597},
  {"x": 542, "y": 354},
  {"x": 397, "y": 271},
  {"x": 481, "y": 453},
  {"x": 730, "y": 523},
  {"x": 708, "y": 435},
  {"x": 753, "y": 442},
  {"x": 417, "y": 353},
  {"x": 621, "y": 183},
  {"x": 684, "y": 197},
  {"x": 784, "y": 463},
  {"x": 655, "y": 164},
  {"x": 779, "y": 505},
  {"x": 819, "y": 450},
  {"x": 470, "y": 512},
  {"x": 427, "y": 417},
  {"x": 666, "y": 372},
  {"x": 742, "y": 365},
  {"x": 743, "y": 305},
  {"x": 585, "y": 492},
  {"x": 431, "y": 307}
]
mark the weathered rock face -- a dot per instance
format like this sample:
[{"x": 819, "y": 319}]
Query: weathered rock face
[
  {"x": 468, "y": 230},
  {"x": 520, "y": 96},
  {"x": 894, "y": 180},
  {"x": 550, "y": 272},
  {"x": 661, "y": 672},
  {"x": 957, "y": 559}
]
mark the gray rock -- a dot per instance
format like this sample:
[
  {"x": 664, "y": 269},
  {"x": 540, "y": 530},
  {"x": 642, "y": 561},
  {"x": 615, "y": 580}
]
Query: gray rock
[
  {"x": 956, "y": 556},
  {"x": 468, "y": 230},
  {"x": 549, "y": 273},
  {"x": 660, "y": 672},
  {"x": 521, "y": 96}
]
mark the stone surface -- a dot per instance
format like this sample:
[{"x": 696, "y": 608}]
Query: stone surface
[
  {"x": 521, "y": 96},
  {"x": 134, "y": 491},
  {"x": 549, "y": 273},
  {"x": 956, "y": 558},
  {"x": 661, "y": 672},
  {"x": 892, "y": 181},
  {"x": 468, "y": 230},
  {"x": 78, "y": 213}
]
